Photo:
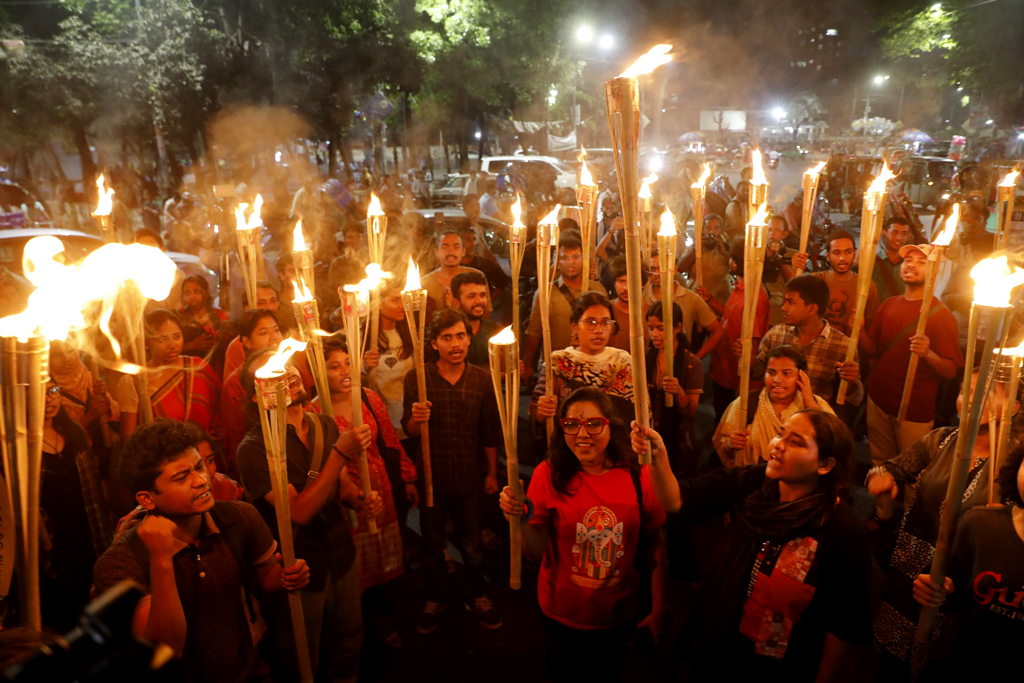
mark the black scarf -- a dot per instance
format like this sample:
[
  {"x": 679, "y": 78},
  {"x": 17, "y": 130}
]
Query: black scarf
[{"x": 767, "y": 518}]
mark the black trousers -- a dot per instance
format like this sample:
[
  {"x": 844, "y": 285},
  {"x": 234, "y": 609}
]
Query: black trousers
[{"x": 568, "y": 650}]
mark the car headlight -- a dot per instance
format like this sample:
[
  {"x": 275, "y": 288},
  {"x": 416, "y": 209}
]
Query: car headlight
[
  {"x": 945, "y": 195},
  {"x": 655, "y": 164}
]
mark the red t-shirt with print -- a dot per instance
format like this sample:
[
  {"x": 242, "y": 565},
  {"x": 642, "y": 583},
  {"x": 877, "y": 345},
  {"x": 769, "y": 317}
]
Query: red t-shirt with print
[{"x": 587, "y": 579}]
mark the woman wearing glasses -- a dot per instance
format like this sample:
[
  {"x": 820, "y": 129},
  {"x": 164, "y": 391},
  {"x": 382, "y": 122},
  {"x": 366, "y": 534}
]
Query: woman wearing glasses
[
  {"x": 592, "y": 364},
  {"x": 788, "y": 593},
  {"x": 592, "y": 515}
]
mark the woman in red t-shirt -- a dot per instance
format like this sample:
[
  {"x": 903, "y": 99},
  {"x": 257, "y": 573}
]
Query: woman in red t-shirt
[{"x": 587, "y": 521}]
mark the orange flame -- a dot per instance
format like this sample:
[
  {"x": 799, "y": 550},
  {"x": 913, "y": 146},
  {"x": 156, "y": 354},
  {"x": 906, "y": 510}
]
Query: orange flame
[
  {"x": 1017, "y": 352},
  {"x": 506, "y": 336},
  {"x": 655, "y": 57},
  {"x": 551, "y": 218},
  {"x": 298, "y": 241},
  {"x": 105, "y": 203},
  {"x": 760, "y": 217},
  {"x": 816, "y": 170},
  {"x": 412, "y": 277},
  {"x": 946, "y": 236},
  {"x": 645, "y": 188},
  {"x": 703, "y": 180},
  {"x": 585, "y": 177},
  {"x": 374, "y": 208},
  {"x": 517, "y": 213},
  {"x": 254, "y": 220},
  {"x": 759, "y": 176},
  {"x": 275, "y": 364},
  {"x": 879, "y": 183},
  {"x": 668, "y": 225},
  {"x": 1011, "y": 179},
  {"x": 994, "y": 280}
]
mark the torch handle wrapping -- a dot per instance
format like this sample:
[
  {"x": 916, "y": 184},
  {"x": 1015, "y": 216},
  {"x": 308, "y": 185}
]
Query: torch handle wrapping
[{"x": 922, "y": 323}]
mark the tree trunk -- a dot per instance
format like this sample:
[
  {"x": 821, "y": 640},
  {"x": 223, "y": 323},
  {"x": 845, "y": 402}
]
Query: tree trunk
[
  {"x": 346, "y": 156},
  {"x": 88, "y": 167},
  {"x": 332, "y": 149}
]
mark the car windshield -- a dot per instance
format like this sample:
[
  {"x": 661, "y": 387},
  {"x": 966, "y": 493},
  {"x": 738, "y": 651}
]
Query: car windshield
[
  {"x": 563, "y": 167},
  {"x": 456, "y": 182},
  {"x": 941, "y": 169}
]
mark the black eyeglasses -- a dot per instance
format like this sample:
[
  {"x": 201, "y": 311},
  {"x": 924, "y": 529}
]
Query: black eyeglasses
[
  {"x": 594, "y": 425},
  {"x": 591, "y": 324},
  {"x": 53, "y": 391}
]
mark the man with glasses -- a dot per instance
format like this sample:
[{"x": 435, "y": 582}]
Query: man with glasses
[
  {"x": 593, "y": 363},
  {"x": 564, "y": 292}
]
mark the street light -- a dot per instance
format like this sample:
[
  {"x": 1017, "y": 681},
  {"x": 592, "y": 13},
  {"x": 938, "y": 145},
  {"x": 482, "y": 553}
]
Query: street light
[
  {"x": 584, "y": 34},
  {"x": 879, "y": 80},
  {"x": 606, "y": 42},
  {"x": 779, "y": 113}
]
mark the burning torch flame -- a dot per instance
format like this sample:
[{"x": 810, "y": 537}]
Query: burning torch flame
[
  {"x": 506, "y": 336},
  {"x": 1009, "y": 181},
  {"x": 994, "y": 280},
  {"x": 668, "y": 225},
  {"x": 703, "y": 180},
  {"x": 816, "y": 170},
  {"x": 645, "y": 188},
  {"x": 551, "y": 218},
  {"x": 759, "y": 177},
  {"x": 517, "y": 212},
  {"x": 254, "y": 220},
  {"x": 761, "y": 216},
  {"x": 374, "y": 276},
  {"x": 585, "y": 177},
  {"x": 412, "y": 277},
  {"x": 879, "y": 183},
  {"x": 658, "y": 55},
  {"x": 1017, "y": 352},
  {"x": 374, "y": 208},
  {"x": 105, "y": 203},
  {"x": 946, "y": 236},
  {"x": 276, "y": 363},
  {"x": 298, "y": 241}
]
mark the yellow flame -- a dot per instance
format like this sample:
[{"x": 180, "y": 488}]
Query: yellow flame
[
  {"x": 582, "y": 156},
  {"x": 668, "y": 224},
  {"x": 412, "y": 277},
  {"x": 105, "y": 203},
  {"x": 240, "y": 222},
  {"x": 517, "y": 213},
  {"x": 506, "y": 336},
  {"x": 994, "y": 280},
  {"x": 64, "y": 291},
  {"x": 298, "y": 241},
  {"x": 816, "y": 170},
  {"x": 760, "y": 217},
  {"x": 879, "y": 183},
  {"x": 1009, "y": 181},
  {"x": 946, "y": 236},
  {"x": 585, "y": 177},
  {"x": 374, "y": 277},
  {"x": 374, "y": 208},
  {"x": 645, "y": 187},
  {"x": 1017, "y": 351},
  {"x": 275, "y": 364},
  {"x": 551, "y": 218},
  {"x": 703, "y": 180},
  {"x": 759, "y": 177},
  {"x": 254, "y": 220},
  {"x": 655, "y": 57}
]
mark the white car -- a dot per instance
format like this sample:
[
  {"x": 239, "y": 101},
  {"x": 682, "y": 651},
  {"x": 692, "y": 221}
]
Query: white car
[{"x": 565, "y": 176}]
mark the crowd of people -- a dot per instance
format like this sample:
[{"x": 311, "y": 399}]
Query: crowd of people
[{"x": 795, "y": 580}]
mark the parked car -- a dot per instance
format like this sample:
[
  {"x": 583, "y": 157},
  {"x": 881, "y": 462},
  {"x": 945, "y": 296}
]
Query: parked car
[
  {"x": 78, "y": 245},
  {"x": 450, "y": 194},
  {"x": 564, "y": 175},
  {"x": 20, "y": 209},
  {"x": 927, "y": 180}
]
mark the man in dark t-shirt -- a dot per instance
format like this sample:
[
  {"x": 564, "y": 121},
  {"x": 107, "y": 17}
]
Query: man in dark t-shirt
[
  {"x": 191, "y": 556},
  {"x": 318, "y": 485}
]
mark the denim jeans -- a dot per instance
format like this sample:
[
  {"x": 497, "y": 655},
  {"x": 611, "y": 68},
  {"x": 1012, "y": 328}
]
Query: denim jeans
[{"x": 464, "y": 511}]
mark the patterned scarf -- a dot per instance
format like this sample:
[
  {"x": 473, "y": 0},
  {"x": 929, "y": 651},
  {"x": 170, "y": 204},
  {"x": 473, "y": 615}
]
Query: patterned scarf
[{"x": 76, "y": 388}]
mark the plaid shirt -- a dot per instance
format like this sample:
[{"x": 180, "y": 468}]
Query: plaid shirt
[
  {"x": 464, "y": 420},
  {"x": 822, "y": 354}
]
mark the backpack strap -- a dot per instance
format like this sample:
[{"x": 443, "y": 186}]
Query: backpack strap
[{"x": 317, "y": 448}]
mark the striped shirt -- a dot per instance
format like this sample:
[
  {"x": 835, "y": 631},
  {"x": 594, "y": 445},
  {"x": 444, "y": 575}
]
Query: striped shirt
[{"x": 822, "y": 354}]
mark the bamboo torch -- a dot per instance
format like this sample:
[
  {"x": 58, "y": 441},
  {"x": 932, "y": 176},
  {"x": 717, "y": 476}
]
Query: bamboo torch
[
  {"x": 504, "y": 355},
  {"x": 622, "y": 97},
  {"x": 994, "y": 280},
  {"x": 304, "y": 261},
  {"x": 376, "y": 234},
  {"x": 1011, "y": 357},
  {"x": 756, "y": 240},
  {"x": 272, "y": 394},
  {"x": 516, "y": 247},
  {"x": 758, "y": 186},
  {"x": 104, "y": 207},
  {"x": 1006, "y": 190},
  {"x": 870, "y": 230},
  {"x": 645, "y": 202},
  {"x": 811, "y": 178},
  {"x": 414, "y": 298},
  {"x": 586, "y": 195},
  {"x": 547, "y": 236},
  {"x": 667, "y": 260},
  {"x": 248, "y": 232},
  {"x": 355, "y": 304},
  {"x": 697, "y": 193},
  {"x": 936, "y": 253},
  {"x": 307, "y": 314}
]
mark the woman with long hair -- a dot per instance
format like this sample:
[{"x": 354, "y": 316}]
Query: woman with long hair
[
  {"x": 787, "y": 597},
  {"x": 180, "y": 387},
  {"x": 388, "y": 367},
  {"x": 85, "y": 398},
  {"x": 200, "y": 319},
  {"x": 77, "y": 522},
  {"x": 592, "y": 515},
  {"x": 392, "y": 475}
]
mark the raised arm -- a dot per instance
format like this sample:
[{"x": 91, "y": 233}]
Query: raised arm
[{"x": 664, "y": 482}]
